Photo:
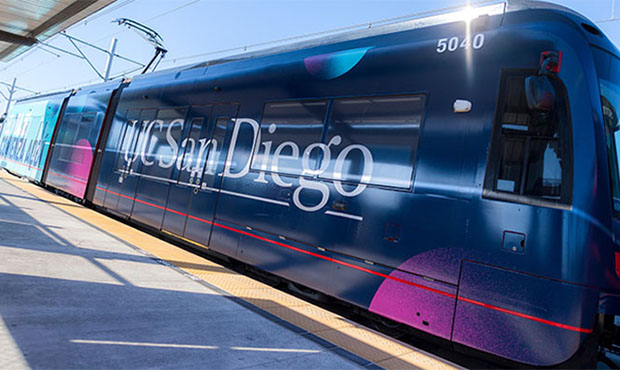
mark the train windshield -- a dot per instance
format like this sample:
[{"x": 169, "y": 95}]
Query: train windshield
[{"x": 608, "y": 68}]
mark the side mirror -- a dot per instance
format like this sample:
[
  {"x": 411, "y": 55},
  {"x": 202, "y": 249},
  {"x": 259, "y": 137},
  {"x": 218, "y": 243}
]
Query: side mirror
[{"x": 539, "y": 93}]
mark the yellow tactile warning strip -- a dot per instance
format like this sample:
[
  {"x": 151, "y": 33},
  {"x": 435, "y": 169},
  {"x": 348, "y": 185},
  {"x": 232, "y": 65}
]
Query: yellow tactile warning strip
[{"x": 375, "y": 347}]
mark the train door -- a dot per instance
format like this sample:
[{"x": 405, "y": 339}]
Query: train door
[
  {"x": 189, "y": 169},
  {"x": 128, "y": 137},
  {"x": 203, "y": 201},
  {"x": 130, "y": 160},
  {"x": 159, "y": 151}
]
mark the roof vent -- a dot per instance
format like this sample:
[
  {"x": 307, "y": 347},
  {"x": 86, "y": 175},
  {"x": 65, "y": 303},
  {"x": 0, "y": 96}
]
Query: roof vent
[{"x": 593, "y": 30}]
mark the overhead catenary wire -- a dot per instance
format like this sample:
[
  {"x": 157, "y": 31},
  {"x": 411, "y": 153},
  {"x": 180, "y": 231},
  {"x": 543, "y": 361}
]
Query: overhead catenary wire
[
  {"x": 243, "y": 48},
  {"x": 384, "y": 21},
  {"x": 95, "y": 16},
  {"x": 192, "y": 2},
  {"x": 18, "y": 87},
  {"x": 106, "y": 11},
  {"x": 331, "y": 31},
  {"x": 129, "y": 71}
]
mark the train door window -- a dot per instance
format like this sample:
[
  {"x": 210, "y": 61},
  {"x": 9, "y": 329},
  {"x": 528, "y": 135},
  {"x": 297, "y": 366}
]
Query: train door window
[
  {"x": 286, "y": 129},
  {"x": 78, "y": 145},
  {"x": 529, "y": 159},
  {"x": 128, "y": 137},
  {"x": 191, "y": 166},
  {"x": 65, "y": 143},
  {"x": 138, "y": 141},
  {"x": 374, "y": 140},
  {"x": 32, "y": 150},
  {"x": 211, "y": 157},
  {"x": 86, "y": 125},
  {"x": 159, "y": 156}
]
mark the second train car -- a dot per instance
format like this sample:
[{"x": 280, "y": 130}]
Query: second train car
[{"x": 457, "y": 173}]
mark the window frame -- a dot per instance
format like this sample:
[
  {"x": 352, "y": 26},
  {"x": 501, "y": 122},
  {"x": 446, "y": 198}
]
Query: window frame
[
  {"x": 139, "y": 171},
  {"x": 414, "y": 153},
  {"x": 495, "y": 147},
  {"x": 326, "y": 120}
]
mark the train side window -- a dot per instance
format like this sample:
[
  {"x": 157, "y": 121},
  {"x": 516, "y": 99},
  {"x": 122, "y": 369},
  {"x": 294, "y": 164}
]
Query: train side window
[
  {"x": 286, "y": 129},
  {"x": 374, "y": 140},
  {"x": 159, "y": 156},
  {"x": 32, "y": 148},
  {"x": 529, "y": 158}
]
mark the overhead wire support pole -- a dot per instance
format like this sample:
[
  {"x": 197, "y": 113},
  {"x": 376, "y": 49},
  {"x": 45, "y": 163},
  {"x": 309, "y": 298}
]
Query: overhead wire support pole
[
  {"x": 11, "y": 91},
  {"x": 108, "y": 63}
]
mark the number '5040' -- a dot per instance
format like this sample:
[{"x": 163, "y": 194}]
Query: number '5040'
[{"x": 453, "y": 43}]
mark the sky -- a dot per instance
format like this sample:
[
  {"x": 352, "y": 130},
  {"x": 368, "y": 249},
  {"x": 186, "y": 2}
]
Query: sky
[{"x": 193, "y": 30}]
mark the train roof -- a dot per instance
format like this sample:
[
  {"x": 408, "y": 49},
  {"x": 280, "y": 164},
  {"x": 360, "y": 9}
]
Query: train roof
[
  {"x": 385, "y": 27},
  {"x": 389, "y": 26},
  {"x": 43, "y": 96}
]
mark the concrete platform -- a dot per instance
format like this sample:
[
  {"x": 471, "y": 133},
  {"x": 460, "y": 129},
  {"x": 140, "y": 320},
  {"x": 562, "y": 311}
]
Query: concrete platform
[{"x": 81, "y": 290}]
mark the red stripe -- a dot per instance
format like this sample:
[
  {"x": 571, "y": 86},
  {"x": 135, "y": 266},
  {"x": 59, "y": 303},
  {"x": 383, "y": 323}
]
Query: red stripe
[
  {"x": 23, "y": 164},
  {"x": 67, "y": 177},
  {"x": 449, "y": 295},
  {"x": 525, "y": 316},
  {"x": 335, "y": 260}
]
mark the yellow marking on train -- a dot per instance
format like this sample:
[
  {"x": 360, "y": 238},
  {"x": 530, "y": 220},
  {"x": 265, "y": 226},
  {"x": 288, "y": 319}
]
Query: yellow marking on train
[{"x": 378, "y": 348}]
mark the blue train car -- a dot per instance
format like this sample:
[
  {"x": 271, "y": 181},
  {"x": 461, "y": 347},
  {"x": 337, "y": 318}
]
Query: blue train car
[
  {"x": 27, "y": 134},
  {"x": 79, "y": 129},
  {"x": 457, "y": 173}
]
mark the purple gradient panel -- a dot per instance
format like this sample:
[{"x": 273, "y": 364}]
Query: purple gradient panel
[
  {"x": 513, "y": 337},
  {"x": 79, "y": 167},
  {"x": 315, "y": 64},
  {"x": 442, "y": 264},
  {"x": 420, "y": 308},
  {"x": 519, "y": 338}
]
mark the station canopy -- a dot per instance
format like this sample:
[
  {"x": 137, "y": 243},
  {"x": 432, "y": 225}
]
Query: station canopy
[{"x": 23, "y": 23}]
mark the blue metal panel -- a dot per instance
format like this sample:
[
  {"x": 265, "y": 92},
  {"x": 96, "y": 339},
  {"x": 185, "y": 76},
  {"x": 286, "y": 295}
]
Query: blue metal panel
[
  {"x": 287, "y": 258},
  {"x": 27, "y": 134},
  {"x": 203, "y": 202},
  {"x": 522, "y": 317},
  {"x": 187, "y": 182}
]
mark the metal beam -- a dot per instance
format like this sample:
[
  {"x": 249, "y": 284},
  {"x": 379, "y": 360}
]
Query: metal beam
[
  {"x": 68, "y": 12},
  {"x": 16, "y": 39},
  {"x": 52, "y": 20},
  {"x": 18, "y": 88},
  {"x": 100, "y": 49},
  {"x": 87, "y": 60}
]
